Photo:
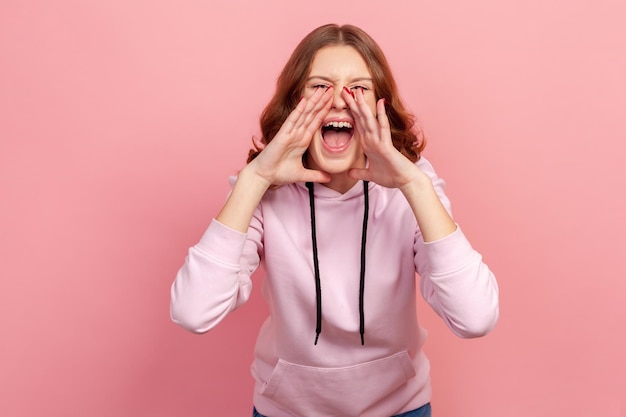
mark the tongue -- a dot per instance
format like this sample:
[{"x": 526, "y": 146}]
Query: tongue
[{"x": 336, "y": 139}]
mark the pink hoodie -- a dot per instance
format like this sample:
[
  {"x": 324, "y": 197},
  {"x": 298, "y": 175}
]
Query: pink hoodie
[{"x": 338, "y": 376}]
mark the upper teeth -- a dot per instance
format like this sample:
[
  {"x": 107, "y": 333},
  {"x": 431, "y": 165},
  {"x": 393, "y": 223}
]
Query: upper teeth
[{"x": 339, "y": 125}]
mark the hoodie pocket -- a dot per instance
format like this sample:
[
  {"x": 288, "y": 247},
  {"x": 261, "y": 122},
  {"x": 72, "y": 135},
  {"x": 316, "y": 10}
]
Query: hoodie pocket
[{"x": 346, "y": 391}]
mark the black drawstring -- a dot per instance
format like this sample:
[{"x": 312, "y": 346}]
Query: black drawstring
[
  {"x": 318, "y": 284},
  {"x": 362, "y": 283}
]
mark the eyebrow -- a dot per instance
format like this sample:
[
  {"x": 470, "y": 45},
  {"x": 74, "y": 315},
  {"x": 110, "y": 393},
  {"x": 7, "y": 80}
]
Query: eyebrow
[{"x": 321, "y": 77}]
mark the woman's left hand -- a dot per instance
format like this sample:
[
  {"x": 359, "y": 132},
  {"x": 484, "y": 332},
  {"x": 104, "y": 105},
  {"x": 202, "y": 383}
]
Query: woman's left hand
[
  {"x": 386, "y": 165},
  {"x": 389, "y": 168}
]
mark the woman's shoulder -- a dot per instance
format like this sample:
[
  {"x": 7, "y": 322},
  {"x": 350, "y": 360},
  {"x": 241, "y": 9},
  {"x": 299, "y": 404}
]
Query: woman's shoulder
[{"x": 425, "y": 164}]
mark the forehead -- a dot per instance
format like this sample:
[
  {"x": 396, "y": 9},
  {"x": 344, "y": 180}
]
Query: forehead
[{"x": 338, "y": 61}]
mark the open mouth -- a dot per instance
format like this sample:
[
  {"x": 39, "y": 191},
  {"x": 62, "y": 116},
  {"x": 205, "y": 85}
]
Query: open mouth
[{"x": 337, "y": 135}]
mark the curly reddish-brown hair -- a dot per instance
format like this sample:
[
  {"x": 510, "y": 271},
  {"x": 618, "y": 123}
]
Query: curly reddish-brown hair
[{"x": 406, "y": 136}]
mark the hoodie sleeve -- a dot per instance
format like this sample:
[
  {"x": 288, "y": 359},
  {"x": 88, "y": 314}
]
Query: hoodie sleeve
[
  {"x": 454, "y": 280},
  {"x": 215, "y": 278}
]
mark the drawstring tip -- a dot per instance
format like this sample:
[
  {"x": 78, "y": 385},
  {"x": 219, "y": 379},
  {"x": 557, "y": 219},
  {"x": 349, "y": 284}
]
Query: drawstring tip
[
  {"x": 317, "y": 336},
  {"x": 362, "y": 339}
]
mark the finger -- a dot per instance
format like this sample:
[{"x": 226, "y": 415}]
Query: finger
[
  {"x": 359, "y": 174},
  {"x": 295, "y": 115},
  {"x": 371, "y": 118},
  {"x": 311, "y": 104},
  {"x": 295, "y": 118},
  {"x": 366, "y": 122},
  {"x": 381, "y": 115},
  {"x": 315, "y": 118},
  {"x": 320, "y": 102},
  {"x": 349, "y": 97},
  {"x": 312, "y": 175}
]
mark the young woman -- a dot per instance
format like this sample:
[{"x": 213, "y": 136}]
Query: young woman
[{"x": 342, "y": 212}]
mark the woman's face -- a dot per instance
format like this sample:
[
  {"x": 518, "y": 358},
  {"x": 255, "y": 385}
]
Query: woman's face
[{"x": 335, "y": 148}]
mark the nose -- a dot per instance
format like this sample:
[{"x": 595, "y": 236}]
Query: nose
[{"x": 338, "y": 101}]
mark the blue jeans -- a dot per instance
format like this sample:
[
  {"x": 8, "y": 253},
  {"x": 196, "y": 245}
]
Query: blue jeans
[{"x": 423, "y": 411}]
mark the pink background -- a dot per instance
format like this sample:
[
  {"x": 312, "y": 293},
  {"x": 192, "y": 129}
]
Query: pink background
[{"x": 120, "y": 122}]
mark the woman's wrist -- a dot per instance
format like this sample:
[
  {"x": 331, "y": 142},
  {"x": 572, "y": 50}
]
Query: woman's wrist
[
  {"x": 250, "y": 176},
  {"x": 243, "y": 199},
  {"x": 419, "y": 183},
  {"x": 433, "y": 219}
]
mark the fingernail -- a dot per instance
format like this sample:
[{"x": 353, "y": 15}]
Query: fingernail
[{"x": 349, "y": 92}]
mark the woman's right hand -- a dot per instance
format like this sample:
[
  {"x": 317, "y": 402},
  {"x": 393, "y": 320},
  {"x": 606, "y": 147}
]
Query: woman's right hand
[{"x": 280, "y": 162}]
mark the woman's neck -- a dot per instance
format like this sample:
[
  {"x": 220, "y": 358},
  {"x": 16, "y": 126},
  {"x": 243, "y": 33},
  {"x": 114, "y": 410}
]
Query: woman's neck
[{"x": 340, "y": 183}]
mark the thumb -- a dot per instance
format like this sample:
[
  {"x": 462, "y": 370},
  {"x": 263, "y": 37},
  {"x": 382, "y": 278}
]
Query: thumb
[{"x": 312, "y": 175}]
